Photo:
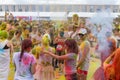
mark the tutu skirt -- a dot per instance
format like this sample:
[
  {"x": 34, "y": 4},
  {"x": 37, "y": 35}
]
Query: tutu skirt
[{"x": 44, "y": 72}]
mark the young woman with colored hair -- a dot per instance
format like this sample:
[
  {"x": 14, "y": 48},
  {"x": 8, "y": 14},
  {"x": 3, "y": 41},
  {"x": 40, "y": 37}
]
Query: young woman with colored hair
[
  {"x": 6, "y": 48},
  {"x": 24, "y": 62},
  {"x": 45, "y": 70},
  {"x": 69, "y": 59}
]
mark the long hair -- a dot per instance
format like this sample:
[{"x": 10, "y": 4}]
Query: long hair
[
  {"x": 18, "y": 32},
  {"x": 116, "y": 64},
  {"x": 25, "y": 44},
  {"x": 72, "y": 45}
]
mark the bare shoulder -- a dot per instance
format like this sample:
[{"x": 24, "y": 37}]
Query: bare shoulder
[{"x": 9, "y": 43}]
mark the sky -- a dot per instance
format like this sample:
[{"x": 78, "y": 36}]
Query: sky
[{"x": 60, "y": 1}]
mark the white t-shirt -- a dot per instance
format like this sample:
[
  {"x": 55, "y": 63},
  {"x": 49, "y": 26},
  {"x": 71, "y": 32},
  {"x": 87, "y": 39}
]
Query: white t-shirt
[
  {"x": 4, "y": 60},
  {"x": 23, "y": 68}
]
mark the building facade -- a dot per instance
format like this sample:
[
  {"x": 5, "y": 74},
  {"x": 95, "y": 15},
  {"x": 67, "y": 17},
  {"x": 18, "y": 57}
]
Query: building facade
[
  {"x": 58, "y": 8},
  {"x": 68, "y": 6}
]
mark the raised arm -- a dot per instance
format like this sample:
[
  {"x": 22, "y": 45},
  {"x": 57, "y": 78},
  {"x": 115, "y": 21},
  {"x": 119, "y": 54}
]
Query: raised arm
[
  {"x": 84, "y": 54},
  {"x": 108, "y": 60},
  {"x": 63, "y": 57}
]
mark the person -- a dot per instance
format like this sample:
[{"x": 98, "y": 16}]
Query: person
[
  {"x": 9, "y": 26},
  {"x": 112, "y": 66},
  {"x": 117, "y": 36},
  {"x": 25, "y": 33},
  {"x": 59, "y": 40},
  {"x": 105, "y": 49},
  {"x": 11, "y": 17},
  {"x": 24, "y": 62},
  {"x": 69, "y": 59},
  {"x": 11, "y": 34},
  {"x": 38, "y": 38},
  {"x": 75, "y": 19},
  {"x": 6, "y": 48},
  {"x": 45, "y": 70},
  {"x": 83, "y": 60},
  {"x": 33, "y": 35},
  {"x": 68, "y": 30},
  {"x": 17, "y": 40},
  {"x": 6, "y": 16}
]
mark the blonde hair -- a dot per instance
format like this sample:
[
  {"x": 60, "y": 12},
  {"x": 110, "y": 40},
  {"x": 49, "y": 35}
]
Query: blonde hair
[
  {"x": 75, "y": 16},
  {"x": 45, "y": 39},
  {"x": 36, "y": 51}
]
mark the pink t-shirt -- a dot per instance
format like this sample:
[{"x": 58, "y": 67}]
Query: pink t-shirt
[
  {"x": 70, "y": 64},
  {"x": 23, "y": 68}
]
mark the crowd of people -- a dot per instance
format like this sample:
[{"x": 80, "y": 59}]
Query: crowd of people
[{"x": 37, "y": 49}]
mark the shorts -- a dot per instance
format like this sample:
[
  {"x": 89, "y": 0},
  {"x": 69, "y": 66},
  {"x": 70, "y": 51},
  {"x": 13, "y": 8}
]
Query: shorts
[
  {"x": 71, "y": 76},
  {"x": 79, "y": 71}
]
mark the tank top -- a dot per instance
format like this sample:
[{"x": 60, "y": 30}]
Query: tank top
[{"x": 85, "y": 65}]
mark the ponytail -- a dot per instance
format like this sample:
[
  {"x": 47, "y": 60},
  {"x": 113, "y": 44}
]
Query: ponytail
[
  {"x": 21, "y": 54},
  {"x": 25, "y": 44}
]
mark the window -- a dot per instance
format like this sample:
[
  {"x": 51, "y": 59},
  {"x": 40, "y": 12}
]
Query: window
[
  {"x": 84, "y": 8},
  {"x": 13, "y": 8},
  {"x": 115, "y": 8},
  {"x": 91, "y": 8},
  {"x": 107, "y": 7},
  {"x": 69, "y": 7},
  {"x": 99, "y": 8},
  {"x": 33, "y": 8},
  {"x": 6, "y": 8},
  {"x": 47, "y": 8},
  {"x": 61, "y": 8},
  {"x": 76, "y": 8},
  {"x": 26, "y": 8},
  {"x": 19, "y": 8},
  {"x": 41, "y": 8},
  {"x": 0, "y": 7}
]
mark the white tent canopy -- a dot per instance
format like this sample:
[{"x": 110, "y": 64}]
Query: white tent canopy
[
  {"x": 56, "y": 14},
  {"x": 37, "y": 15},
  {"x": 24, "y": 13},
  {"x": 87, "y": 14},
  {"x": 40, "y": 14},
  {"x": 89, "y": 2}
]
